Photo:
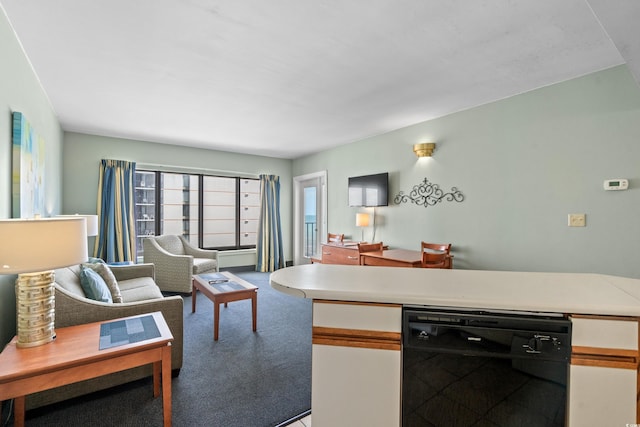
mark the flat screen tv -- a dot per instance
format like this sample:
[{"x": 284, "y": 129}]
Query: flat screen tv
[{"x": 369, "y": 190}]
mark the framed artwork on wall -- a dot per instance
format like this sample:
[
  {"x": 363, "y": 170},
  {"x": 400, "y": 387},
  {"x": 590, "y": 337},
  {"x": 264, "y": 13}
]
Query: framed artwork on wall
[{"x": 27, "y": 199}]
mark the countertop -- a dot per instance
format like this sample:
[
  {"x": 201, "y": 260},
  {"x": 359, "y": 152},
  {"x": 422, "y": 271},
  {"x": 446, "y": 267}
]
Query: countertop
[{"x": 573, "y": 293}]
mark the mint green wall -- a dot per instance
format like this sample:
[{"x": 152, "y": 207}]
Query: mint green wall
[
  {"x": 523, "y": 164},
  {"x": 82, "y": 155},
  {"x": 21, "y": 91}
]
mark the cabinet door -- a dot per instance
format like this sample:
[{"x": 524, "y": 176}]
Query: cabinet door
[
  {"x": 603, "y": 376},
  {"x": 602, "y": 396},
  {"x": 355, "y": 387},
  {"x": 356, "y": 369}
]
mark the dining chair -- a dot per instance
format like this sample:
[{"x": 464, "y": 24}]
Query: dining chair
[
  {"x": 335, "y": 238},
  {"x": 435, "y": 260},
  {"x": 439, "y": 247},
  {"x": 369, "y": 247}
]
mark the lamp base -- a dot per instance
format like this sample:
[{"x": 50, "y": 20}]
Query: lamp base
[{"x": 35, "y": 307}]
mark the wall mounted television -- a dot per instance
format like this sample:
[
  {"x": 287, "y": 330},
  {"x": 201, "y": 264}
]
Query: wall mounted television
[{"x": 369, "y": 190}]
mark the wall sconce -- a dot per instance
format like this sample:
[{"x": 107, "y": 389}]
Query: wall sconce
[{"x": 425, "y": 149}]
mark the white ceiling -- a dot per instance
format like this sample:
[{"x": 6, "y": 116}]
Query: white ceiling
[{"x": 285, "y": 78}]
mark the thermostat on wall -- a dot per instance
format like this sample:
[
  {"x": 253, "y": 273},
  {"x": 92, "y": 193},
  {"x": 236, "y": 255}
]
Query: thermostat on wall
[{"x": 616, "y": 184}]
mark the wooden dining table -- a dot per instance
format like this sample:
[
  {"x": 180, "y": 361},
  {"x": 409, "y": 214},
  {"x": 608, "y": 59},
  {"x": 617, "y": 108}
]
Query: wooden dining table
[{"x": 392, "y": 258}]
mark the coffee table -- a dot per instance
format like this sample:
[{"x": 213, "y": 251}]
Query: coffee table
[{"x": 224, "y": 287}]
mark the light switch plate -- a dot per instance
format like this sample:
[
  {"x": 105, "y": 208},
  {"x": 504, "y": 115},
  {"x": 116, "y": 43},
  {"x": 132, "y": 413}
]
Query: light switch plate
[{"x": 577, "y": 220}]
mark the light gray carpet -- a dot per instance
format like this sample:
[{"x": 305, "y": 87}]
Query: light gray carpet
[{"x": 244, "y": 379}]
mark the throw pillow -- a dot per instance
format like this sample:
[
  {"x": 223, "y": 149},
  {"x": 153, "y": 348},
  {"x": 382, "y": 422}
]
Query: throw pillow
[
  {"x": 107, "y": 275},
  {"x": 94, "y": 286},
  {"x": 105, "y": 272}
]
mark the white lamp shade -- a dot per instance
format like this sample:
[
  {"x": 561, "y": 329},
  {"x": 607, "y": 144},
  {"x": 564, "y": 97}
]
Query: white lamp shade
[
  {"x": 32, "y": 245},
  {"x": 92, "y": 223},
  {"x": 362, "y": 220}
]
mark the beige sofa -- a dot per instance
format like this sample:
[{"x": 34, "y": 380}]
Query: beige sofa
[
  {"x": 140, "y": 295},
  {"x": 176, "y": 261}
]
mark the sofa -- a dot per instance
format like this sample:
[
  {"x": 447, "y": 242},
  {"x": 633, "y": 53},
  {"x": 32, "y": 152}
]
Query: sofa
[
  {"x": 140, "y": 295},
  {"x": 176, "y": 261}
]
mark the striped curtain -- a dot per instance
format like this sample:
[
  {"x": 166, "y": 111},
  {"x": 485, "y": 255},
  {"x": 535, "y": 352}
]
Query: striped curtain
[
  {"x": 269, "y": 241},
  {"x": 116, "y": 240}
]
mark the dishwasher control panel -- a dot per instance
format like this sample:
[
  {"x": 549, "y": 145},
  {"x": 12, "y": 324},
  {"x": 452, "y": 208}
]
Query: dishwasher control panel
[{"x": 487, "y": 334}]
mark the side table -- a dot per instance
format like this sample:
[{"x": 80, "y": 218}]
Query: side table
[{"x": 75, "y": 355}]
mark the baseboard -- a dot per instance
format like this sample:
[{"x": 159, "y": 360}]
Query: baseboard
[
  {"x": 294, "y": 419},
  {"x": 239, "y": 268}
]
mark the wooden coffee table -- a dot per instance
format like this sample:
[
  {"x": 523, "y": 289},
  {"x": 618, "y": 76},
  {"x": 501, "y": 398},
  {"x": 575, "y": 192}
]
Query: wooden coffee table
[{"x": 224, "y": 287}]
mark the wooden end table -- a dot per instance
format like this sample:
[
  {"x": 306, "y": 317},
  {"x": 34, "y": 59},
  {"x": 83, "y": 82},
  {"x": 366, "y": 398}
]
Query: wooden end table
[
  {"x": 75, "y": 356},
  {"x": 224, "y": 287}
]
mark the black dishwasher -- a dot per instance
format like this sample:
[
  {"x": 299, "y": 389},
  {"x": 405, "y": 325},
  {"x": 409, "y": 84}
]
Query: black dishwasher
[{"x": 468, "y": 368}]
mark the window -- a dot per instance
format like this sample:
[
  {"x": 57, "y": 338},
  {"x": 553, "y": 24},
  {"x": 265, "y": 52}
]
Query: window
[
  {"x": 179, "y": 205},
  {"x": 212, "y": 212}
]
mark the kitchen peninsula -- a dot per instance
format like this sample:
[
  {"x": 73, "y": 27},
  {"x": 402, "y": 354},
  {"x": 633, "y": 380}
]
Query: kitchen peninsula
[{"x": 357, "y": 324}]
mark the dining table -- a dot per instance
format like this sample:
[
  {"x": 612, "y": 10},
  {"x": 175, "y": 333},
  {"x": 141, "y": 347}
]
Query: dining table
[{"x": 394, "y": 258}]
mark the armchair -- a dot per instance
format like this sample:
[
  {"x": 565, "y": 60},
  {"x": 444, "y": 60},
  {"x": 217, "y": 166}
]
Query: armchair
[{"x": 176, "y": 261}]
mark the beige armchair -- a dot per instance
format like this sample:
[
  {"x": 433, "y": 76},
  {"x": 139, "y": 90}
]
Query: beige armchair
[{"x": 176, "y": 260}]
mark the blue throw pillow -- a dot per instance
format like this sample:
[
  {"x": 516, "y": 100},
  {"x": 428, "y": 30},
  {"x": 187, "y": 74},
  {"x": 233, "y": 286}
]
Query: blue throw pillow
[
  {"x": 94, "y": 286},
  {"x": 107, "y": 275}
]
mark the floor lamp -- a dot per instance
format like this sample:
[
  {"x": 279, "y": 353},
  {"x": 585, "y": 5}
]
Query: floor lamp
[{"x": 32, "y": 248}]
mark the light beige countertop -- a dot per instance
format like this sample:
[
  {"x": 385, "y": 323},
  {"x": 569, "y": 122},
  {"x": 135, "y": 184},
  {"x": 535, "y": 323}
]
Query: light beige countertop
[{"x": 575, "y": 293}]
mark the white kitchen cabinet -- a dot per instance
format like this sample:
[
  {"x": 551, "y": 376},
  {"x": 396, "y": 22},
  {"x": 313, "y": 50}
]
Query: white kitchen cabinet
[
  {"x": 602, "y": 396},
  {"x": 356, "y": 369},
  {"x": 604, "y": 371}
]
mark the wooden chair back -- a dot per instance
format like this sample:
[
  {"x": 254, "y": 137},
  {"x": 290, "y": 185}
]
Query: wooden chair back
[
  {"x": 444, "y": 247},
  {"x": 434, "y": 259},
  {"x": 369, "y": 247},
  {"x": 435, "y": 248},
  {"x": 335, "y": 238}
]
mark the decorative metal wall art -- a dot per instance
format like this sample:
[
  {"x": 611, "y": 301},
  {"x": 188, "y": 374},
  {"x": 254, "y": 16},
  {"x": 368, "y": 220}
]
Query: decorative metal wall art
[{"x": 428, "y": 194}]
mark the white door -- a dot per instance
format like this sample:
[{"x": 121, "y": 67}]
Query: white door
[{"x": 310, "y": 218}]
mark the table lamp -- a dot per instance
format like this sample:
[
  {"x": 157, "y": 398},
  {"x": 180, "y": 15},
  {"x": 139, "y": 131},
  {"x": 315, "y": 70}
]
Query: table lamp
[
  {"x": 362, "y": 220},
  {"x": 32, "y": 248},
  {"x": 92, "y": 222}
]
